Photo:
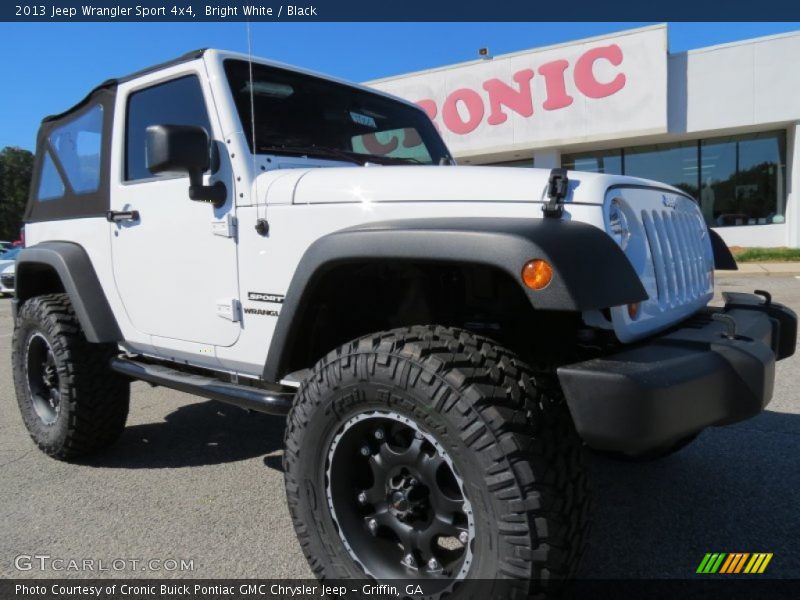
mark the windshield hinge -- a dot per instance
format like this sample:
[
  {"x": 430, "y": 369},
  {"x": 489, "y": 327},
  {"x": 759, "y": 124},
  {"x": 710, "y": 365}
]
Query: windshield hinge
[
  {"x": 224, "y": 227},
  {"x": 557, "y": 188},
  {"x": 229, "y": 309}
]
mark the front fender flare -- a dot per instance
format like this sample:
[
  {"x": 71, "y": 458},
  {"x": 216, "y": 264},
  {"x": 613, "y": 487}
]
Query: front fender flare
[{"x": 590, "y": 270}]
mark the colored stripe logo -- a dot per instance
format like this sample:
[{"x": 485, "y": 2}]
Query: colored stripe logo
[{"x": 734, "y": 563}]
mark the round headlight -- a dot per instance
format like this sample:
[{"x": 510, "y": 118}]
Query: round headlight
[{"x": 618, "y": 223}]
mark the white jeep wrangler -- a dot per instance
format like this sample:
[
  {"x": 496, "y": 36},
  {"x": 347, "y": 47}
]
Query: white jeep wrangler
[{"x": 443, "y": 339}]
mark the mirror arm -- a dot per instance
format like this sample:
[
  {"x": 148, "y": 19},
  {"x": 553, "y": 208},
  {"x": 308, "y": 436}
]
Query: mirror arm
[{"x": 215, "y": 194}]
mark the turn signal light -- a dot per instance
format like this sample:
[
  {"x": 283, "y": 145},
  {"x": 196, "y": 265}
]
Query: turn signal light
[
  {"x": 633, "y": 310},
  {"x": 537, "y": 274}
]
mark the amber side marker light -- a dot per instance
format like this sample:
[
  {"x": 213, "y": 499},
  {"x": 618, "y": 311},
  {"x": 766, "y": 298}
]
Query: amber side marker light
[
  {"x": 537, "y": 274},
  {"x": 633, "y": 310}
]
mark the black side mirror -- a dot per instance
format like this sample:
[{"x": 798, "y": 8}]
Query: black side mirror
[{"x": 173, "y": 148}]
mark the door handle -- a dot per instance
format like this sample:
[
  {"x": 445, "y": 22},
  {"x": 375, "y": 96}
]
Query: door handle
[{"x": 118, "y": 216}]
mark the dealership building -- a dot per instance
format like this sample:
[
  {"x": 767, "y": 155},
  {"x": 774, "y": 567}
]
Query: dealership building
[{"x": 721, "y": 123}]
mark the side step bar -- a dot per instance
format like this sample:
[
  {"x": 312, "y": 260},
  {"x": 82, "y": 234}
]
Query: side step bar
[{"x": 243, "y": 396}]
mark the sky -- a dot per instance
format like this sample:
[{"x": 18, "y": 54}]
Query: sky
[{"x": 50, "y": 66}]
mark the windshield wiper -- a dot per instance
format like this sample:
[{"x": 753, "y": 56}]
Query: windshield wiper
[
  {"x": 311, "y": 150},
  {"x": 394, "y": 160},
  {"x": 328, "y": 151}
]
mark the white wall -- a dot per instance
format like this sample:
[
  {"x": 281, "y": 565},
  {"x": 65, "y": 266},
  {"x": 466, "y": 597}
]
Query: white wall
[
  {"x": 793, "y": 186},
  {"x": 547, "y": 158},
  {"x": 744, "y": 84}
]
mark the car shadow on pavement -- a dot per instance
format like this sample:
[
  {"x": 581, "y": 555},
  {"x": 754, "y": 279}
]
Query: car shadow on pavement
[
  {"x": 203, "y": 433},
  {"x": 734, "y": 489}
]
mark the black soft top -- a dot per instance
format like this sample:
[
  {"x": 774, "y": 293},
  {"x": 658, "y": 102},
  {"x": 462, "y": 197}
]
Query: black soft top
[
  {"x": 111, "y": 84},
  {"x": 72, "y": 205}
]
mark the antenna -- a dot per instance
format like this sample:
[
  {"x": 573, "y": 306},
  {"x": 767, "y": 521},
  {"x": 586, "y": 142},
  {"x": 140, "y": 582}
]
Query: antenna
[
  {"x": 262, "y": 225},
  {"x": 252, "y": 94}
]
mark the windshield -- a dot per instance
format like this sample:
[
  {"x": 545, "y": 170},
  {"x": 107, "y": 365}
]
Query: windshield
[{"x": 299, "y": 114}]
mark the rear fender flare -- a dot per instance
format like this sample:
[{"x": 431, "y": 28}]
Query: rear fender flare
[{"x": 79, "y": 280}]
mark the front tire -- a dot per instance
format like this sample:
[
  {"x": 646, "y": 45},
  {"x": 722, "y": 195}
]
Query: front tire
[
  {"x": 484, "y": 453},
  {"x": 71, "y": 403}
]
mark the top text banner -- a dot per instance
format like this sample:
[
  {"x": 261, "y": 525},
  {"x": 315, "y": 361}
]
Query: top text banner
[
  {"x": 597, "y": 89},
  {"x": 406, "y": 10}
]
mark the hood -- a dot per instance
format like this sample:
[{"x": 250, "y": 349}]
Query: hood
[{"x": 434, "y": 184}]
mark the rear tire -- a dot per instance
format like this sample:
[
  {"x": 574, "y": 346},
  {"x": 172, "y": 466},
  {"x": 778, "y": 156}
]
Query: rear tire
[
  {"x": 506, "y": 434},
  {"x": 71, "y": 403}
]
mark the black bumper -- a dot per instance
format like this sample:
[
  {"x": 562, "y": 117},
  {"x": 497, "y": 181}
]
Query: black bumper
[{"x": 672, "y": 386}]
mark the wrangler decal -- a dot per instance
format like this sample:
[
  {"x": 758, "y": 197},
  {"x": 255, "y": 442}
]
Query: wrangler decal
[{"x": 261, "y": 311}]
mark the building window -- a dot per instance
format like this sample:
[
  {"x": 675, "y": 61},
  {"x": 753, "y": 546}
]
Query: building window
[
  {"x": 526, "y": 163},
  {"x": 738, "y": 180},
  {"x": 675, "y": 164},
  {"x": 743, "y": 179},
  {"x": 603, "y": 161}
]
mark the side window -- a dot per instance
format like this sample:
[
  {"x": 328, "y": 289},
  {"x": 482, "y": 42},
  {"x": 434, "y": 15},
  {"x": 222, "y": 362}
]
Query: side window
[
  {"x": 50, "y": 184},
  {"x": 176, "y": 102},
  {"x": 76, "y": 148}
]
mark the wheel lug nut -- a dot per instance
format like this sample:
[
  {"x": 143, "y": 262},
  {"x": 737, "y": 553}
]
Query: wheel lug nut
[
  {"x": 365, "y": 451},
  {"x": 379, "y": 435},
  {"x": 409, "y": 561},
  {"x": 463, "y": 537},
  {"x": 433, "y": 564},
  {"x": 372, "y": 524},
  {"x": 362, "y": 498}
]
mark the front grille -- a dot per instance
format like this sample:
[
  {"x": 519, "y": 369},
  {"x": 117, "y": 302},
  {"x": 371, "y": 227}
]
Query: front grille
[
  {"x": 7, "y": 281},
  {"x": 676, "y": 245}
]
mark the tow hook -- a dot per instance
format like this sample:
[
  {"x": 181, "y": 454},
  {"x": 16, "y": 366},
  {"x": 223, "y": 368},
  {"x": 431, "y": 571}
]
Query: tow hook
[{"x": 766, "y": 295}]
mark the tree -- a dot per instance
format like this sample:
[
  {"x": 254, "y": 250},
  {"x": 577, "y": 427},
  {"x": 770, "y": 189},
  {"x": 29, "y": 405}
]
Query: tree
[{"x": 16, "y": 169}]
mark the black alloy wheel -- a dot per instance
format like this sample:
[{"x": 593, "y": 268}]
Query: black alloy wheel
[
  {"x": 398, "y": 502},
  {"x": 43, "y": 379}
]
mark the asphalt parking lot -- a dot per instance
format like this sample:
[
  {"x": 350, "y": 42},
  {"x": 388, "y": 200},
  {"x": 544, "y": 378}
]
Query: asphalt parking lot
[{"x": 201, "y": 481}]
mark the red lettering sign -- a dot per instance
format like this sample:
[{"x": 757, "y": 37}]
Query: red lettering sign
[
  {"x": 584, "y": 72},
  {"x": 474, "y": 105},
  {"x": 553, "y": 73},
  {"x": 518, "y": 100},
  {"x": 463, "y": 110}
]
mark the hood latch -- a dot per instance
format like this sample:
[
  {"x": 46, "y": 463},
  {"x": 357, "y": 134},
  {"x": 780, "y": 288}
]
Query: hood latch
[{"x": 557, "y": 188}]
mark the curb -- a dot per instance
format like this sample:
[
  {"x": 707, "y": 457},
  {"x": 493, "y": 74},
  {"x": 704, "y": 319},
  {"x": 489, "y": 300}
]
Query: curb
[{"x": 761, "y": 270}]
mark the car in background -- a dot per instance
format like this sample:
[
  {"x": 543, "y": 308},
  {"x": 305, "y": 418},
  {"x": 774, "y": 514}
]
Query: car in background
[
  {"x": 7, "y": 271},
  {"x": 7, "y": 277}
]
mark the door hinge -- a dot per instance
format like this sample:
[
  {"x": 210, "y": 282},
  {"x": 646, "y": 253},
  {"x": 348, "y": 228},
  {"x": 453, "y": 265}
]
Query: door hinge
[
  {"x": 224, "y": 227},
  {"x": 229, "y": 309}
]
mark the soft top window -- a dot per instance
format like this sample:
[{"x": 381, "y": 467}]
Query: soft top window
[
  {"x": 73, "y": 156},
  {"x": 50, "y": 185},
  {"x": 71, "y": 171}
]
